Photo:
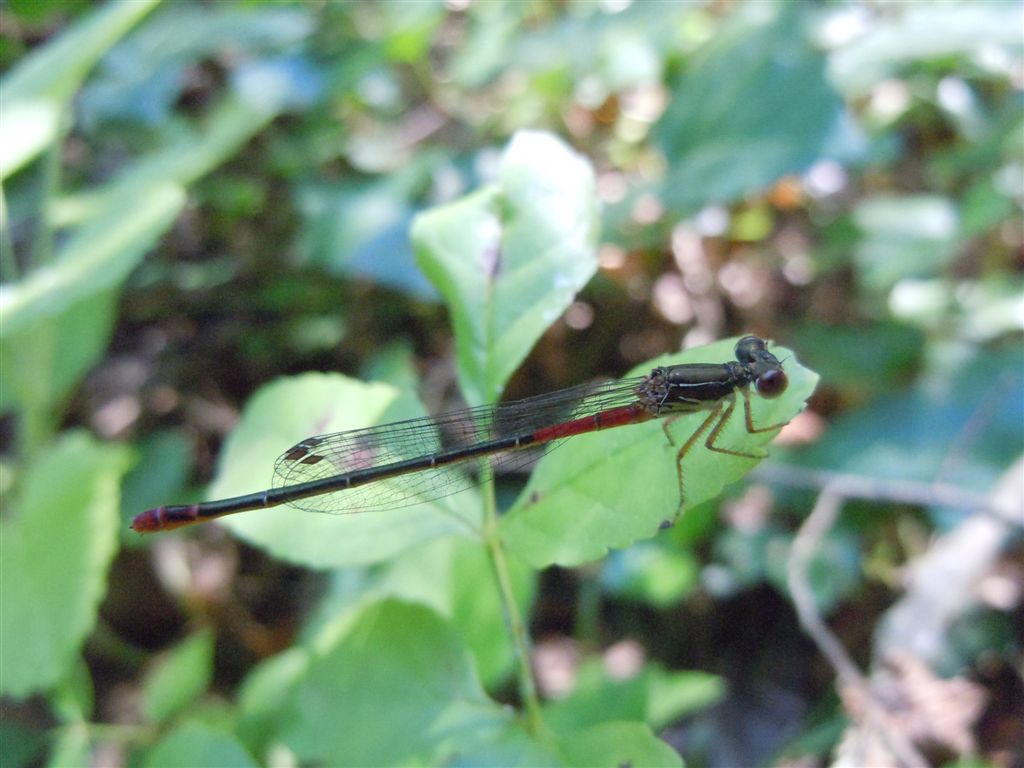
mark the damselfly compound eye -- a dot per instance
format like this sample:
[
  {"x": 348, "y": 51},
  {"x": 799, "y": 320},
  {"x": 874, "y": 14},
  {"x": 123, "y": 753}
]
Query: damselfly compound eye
[{"x": 772, "y": 383}]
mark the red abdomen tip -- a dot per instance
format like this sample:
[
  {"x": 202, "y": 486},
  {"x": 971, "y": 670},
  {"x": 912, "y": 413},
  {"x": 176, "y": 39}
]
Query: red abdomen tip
[
  {"x": 166, "y": 518},
  {"x": 149, "y": 521}
]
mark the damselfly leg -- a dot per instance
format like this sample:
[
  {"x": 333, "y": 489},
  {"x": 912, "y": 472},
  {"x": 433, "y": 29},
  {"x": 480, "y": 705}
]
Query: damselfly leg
[{"x": 768, "y": 378}]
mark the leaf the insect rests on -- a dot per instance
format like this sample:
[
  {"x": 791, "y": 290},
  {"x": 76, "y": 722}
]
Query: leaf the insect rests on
[{"x": 609, "y": 489}]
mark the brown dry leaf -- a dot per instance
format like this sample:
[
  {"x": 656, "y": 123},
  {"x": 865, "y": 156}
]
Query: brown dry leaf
[{"x": 932, "y": 710}]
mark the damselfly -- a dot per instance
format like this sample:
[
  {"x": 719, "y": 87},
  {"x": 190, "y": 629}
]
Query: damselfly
[{"x": 407, "y": 462}]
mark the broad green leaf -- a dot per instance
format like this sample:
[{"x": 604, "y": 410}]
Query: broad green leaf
[
  {"x": 264, "y": 693},
  {"x": 21, "y": 745},
  {"x": 198, "y": 746},
  {"x": 280, "y": 415},
  {"x": 41, "y": 363},
  {"x": 144, "y": 77},
  {"x": 98, "y": 257},
  {"x": 874, "y": 355},
  {"x": 397, "y": 689},
  {"x": 909, "y": 236},
  {"x": 70, "y": 745},
  {"x": 108, "y": 244},
  {"x": 657, "y": 572},
  {"x": 609, "y": 489},
  {"x": 753, "y": 106},
  {"x": 37, "y": 90},
  {"x": 179, "y": 677},
  {"x": 455, "y": 578},
  {"x": 362, "y": 229},
  {"x": 653, "y": 696},
  {"x": 55, "y": 545},
  {"x": 612, "y": 745},
  {"x": 510, "y": 258},
  {"x": 915, "y": 33},
  {"x": 910, "y": 434},
  {"x": 73, "y": 699},
  {"x": 452, "y": 576}
]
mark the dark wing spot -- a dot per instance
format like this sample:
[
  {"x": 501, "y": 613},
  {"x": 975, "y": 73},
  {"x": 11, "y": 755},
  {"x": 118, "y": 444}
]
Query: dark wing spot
[{"x": 301, "y": 450}]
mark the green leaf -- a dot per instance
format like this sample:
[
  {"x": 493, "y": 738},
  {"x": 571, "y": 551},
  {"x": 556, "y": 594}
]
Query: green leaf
[
  {"x": 397, "y": 689},
  {"x": 109, "y": 244},
  {"x": 37, "y": 90},
  {"x": 455, "y": 578},
  {"x": 264, "y": 693},
  {"x": 916, "y": 33},
  {"x": 362, "y": 229},
  {"x": 910, "y": 434},
  {"x": 55, "y": 545},
  {"x": 654, "y": 571},
  {"x": 615, "y": 745},
  {"x": 21, "y": 745},
  {"x": 42, "y": 362},
  {"x": 754, "y": 106},
  {"x": 875, "y": 356},
  {"x": 654, "y": 696},
  {"x": 277, "y": 417},
  {"x": 70, "y": 745},
  {"x": 98, "y": 257},
  {"x": 510, "y": 258},
  {"x": 179, "y": 677},
  {"x": 609, "y": 489},
  {"x": 73, "y": 699},
  {"x": 198, "y": 746},
  {"x": 908, "y": 236}
]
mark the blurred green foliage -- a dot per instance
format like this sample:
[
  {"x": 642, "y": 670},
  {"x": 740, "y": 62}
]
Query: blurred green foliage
[{"x": 206, "y": 206}]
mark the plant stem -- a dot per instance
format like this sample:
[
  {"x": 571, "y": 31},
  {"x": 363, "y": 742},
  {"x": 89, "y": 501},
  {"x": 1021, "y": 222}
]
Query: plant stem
[
  {"x": 8, "y": 264},
  {"x": 521, "y": 642},
  {"x": 42, "y": 252}
]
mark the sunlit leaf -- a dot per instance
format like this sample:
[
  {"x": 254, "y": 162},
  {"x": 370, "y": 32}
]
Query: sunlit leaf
[
  {"x": 181, "y": 676},
  {"x": 55, "y": 547},
  {"x": 753, "y": 106},
  {"x": 510, "y": 258},
  {"x": 653, "y": 696},
  {"x": 617, "y": 744},
  {"x": 279, "y": 416},
  {"x": 37, "y": 91},
  {"x": 97, "y": 257},
  {"x": 406, "y": 687},
  {"x": 455, "y": 577},
  {"x": 916, "y": 33},
  {"x": 609, "y": 489},
  {"x": 200, "y": 746}
]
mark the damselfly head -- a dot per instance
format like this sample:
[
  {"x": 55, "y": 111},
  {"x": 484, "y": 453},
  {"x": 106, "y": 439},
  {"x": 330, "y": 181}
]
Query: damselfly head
[{"x": 762, "y": 366}]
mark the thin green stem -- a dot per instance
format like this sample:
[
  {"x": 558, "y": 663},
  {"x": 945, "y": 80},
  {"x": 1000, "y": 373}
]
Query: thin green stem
[
  {"x": 588, "y": 606},
  {"x": 520, "y": 639},
  {"x": 8, "y": 264},
  {"x": 42, "y": 251}
]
